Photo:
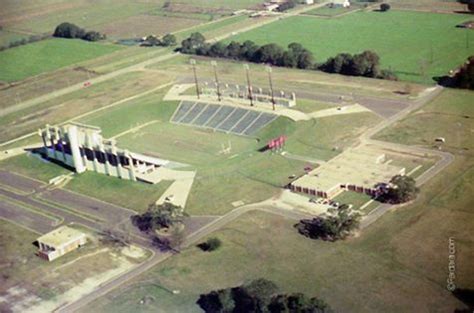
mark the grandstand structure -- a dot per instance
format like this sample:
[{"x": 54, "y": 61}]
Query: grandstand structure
[
  {"x": 83, "y": 148},
  {"x": 240, "y": 92},
  {"x": 225, "y": 118}
]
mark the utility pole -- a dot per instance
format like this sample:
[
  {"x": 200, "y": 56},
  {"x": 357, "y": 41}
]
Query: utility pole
[
  {"x": 269, "y": 70},
  {"x": 214, "y": 64},
  {"x": 249, "y": 85},
  {"x": 193, "y": 63}
]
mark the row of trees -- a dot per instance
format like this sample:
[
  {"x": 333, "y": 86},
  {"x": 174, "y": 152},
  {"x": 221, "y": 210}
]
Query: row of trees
[
  {"x": 295, "y": 56},
  {"x": 468, "y": 3},
  {"x": 24, "y": 41},
  {"x": 260, "y": 295},
  {"x": 365, "y": 64},
  {"x": 68, "y": 30},
  {"x": 166, "y": 41},
  {"x": 464, "y": 78}
]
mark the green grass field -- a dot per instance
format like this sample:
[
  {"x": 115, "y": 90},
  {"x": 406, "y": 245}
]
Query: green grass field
[
  {"x": 32, "y": 166},
  {"x": 404, "y": 40},
  {"x": 47, "y": 55},
  {"x": 118, "y": 191}
]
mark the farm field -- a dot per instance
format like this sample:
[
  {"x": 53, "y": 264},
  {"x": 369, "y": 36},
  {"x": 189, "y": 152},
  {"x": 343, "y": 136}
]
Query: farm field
[
  {"x": 47, "y": 55},
  {"x": 330, "y": 12},
  {"x": 119, "y": 19},
  {"x": 416, "y": 46},
  {"x": 48, "y": 82},
  {"x": 447, "y": 6}
]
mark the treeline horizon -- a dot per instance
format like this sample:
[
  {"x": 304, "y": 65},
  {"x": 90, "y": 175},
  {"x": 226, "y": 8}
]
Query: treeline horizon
[{"x": 365, "y": 64}]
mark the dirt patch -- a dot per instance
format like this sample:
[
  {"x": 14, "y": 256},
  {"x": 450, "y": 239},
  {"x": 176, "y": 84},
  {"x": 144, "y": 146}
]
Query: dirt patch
[{"x": 133, "y": 252}]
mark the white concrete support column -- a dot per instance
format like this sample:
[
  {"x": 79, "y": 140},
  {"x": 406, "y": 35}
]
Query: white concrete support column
[
  {"x": 57, "y": 154},
  {"x": 106, "y": 160},
  {"x": 76, "y": 154},
  {"x": 52, "y": 152},
  {"x": 43, "y": 137},
  {"x": 131, "y": 168},
  {"x": 117, "y": 159}
]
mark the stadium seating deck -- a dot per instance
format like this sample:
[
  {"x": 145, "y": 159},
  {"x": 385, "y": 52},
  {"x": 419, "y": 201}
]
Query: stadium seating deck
[{"x": 224, "y": 118}]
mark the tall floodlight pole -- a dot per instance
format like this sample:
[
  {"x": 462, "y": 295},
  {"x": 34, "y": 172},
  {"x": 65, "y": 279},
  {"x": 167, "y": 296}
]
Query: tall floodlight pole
[
  {"x": 193, "y": 63},
  {"x": 214, "y": 64},
  {"x": 269, "y": 70},
  {"x": 249, "y": 85}
]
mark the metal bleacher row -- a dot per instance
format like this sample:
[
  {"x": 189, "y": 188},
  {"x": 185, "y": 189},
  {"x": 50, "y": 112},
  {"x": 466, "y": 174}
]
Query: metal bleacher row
[{"x": 224, "y": 118}]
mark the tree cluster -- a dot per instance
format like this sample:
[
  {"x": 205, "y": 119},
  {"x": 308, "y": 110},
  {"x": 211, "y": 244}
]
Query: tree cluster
[
  {"x": 166, "y": 41},
  {"x": 402, "y": 189},
  {"x": 210, "y": 245},
  {"x": 261, "y": 296},
  {"x": 384, "y": 7},
  {"x": 69, "y": 30},
  {"x": 464, "y": 78},
  {"x": 286, "y": 5},
  {"x": 24, "y": 41},
  {"x": 366, "y": 63},
  {"x": 159, "y": 216},
  {"x": 330, "y": 228},
  {"x": 469, "y": 3},
  {"x": 295, "y": 56}
]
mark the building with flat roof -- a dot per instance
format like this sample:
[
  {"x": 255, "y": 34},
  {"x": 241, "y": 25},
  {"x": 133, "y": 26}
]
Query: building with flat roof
[
  {"x": 59, "y": 242},
  {"x": 361, "y": 170},
  {"x": 83, "y": 148}
]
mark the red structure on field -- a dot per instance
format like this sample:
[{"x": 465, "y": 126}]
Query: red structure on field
[{"x": 277, "y": 143}]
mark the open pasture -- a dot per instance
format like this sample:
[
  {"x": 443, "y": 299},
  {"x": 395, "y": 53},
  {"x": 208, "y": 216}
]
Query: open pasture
[
  {"x": 450, "y": 116},
  {"x": 416, "y": 46},
  {"x": 47, "y": 55}
]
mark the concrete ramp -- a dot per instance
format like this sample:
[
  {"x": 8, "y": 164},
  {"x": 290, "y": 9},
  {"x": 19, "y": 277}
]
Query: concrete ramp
[{"x": 179, "y": 190}]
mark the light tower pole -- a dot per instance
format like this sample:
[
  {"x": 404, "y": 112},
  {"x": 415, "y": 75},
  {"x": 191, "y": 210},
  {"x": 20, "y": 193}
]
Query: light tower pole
[
  {"x": 193, "y": 64},
  {"x": 249, "y": 85},
  {"x": 214, "y": 64},
  {"x": 269, "y": 70}
]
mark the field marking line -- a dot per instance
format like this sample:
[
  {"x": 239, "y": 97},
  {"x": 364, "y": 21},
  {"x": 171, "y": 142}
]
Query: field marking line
[
  {"x": 414, "y": 170},
  {"x": 134, "y": 129}
]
